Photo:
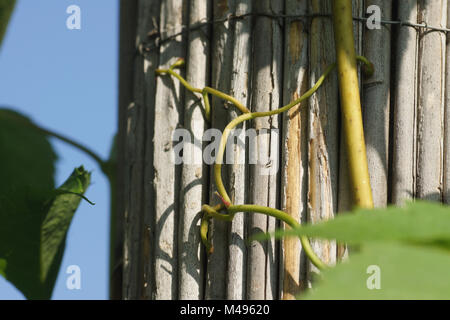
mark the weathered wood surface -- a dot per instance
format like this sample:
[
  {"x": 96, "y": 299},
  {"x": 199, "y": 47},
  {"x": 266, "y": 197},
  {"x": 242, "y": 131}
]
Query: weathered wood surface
[
  {"x": 430, "y": 108},
  {"x": 127, "y": 50},
  {"x": 237, "y": 169},
  {"x": 265, "y": 63},
  {"x": 266, "y": 95},
  {"x": 405, "y": 106},
  {"x": 294, "y": 149},
  {"x": 221, "y": 58},
  {"x": 376, "y": 103},
  {"x": 135, "y": 239},
  {"x": 169, "y": 110},
  {"x": 194, "y": 176},
  {"x": 323, "y": 132},
  {"x": 151, "y": 11},
  {"x": 446, "y": 191}
]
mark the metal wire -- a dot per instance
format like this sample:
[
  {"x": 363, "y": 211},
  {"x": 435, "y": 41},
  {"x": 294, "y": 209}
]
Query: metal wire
[
  {"x": 424, "y": 25},
  {"x": 155, "y": 38}
]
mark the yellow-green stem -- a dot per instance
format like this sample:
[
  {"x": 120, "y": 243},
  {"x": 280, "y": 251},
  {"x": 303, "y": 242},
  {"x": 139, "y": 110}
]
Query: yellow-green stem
[
  {"x": 231, "y": 210},
  {"x": 350, "y": 103},
  {"x": 283, "y": 216},
  {"x": 247, "y": 116},
  {"x": 205, "y": 92}
]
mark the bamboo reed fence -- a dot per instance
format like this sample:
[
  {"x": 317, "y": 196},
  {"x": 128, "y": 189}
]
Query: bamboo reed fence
[{"x": 265, "y": 59}]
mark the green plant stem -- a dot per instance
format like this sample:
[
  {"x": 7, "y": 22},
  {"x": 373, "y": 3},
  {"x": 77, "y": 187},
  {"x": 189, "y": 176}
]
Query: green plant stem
[
  {"x": 351, "y": 103},
  {"x": 75, "y": 144},
  {"x": 283, "y": 216},
  {"x": 58, "y": 136},
  {"x": 212, "y": 212},
  {"x": 205, "y": 92},
  {"x": 6, "y": 10},
  {"x": 82, "y": 196},
  {"x": 223, "y": 141},
  {"x": 231, "y": 209},
  {"x": 207, "y": 106}
]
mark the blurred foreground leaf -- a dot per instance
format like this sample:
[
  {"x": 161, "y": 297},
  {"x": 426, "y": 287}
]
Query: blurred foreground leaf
[
  {"x": 6, "y": 9},
  {"x": 417, "y": 222},
  {"x": 403, "y": 271},
  {"x": 26, "y": 156},
  {"x": 405, "y": 248}
]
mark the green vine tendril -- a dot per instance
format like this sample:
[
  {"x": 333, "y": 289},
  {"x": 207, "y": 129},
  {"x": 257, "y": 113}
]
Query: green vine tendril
[{"x": 227, "y": 210}]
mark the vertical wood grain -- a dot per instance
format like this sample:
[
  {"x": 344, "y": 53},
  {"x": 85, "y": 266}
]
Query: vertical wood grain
[
  {"x": 221, "y": 59},
  {"x": 169, "y": 108},
  {"x": 430, "y": 113},
  {"x": 294, "y": 148},
  {"x": 127, "y": 50},
  {"x": 376, "y": 103},
  {"x": 405, "y": 106},
  {"x": 134, "y": 279},
  {"x": 266, "y": 95},
  {"x": 237, "y": 169},
  {"x": 447, "y": 117},
  {"x": 193, "y": 178},
  {"x": 323, "y": 132},
  {"x": 264, "y": 68}
]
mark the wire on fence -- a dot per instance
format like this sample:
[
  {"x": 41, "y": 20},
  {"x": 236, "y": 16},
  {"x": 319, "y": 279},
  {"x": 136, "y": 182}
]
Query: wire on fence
[{"x": 157, "y": 38}]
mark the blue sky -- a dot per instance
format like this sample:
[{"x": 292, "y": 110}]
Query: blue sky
[{"x": 66, "y": 80}]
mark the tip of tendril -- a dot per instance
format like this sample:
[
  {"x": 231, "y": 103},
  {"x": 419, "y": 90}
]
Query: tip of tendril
[
  {"x": 178, "y": 63},
  {"x": 225, "y": 202}
]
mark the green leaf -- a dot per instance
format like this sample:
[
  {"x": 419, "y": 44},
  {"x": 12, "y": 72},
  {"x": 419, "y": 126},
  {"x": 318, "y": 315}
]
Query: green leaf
[
  {"x": 418, "y": 222},
  {"x": 6, "y": 9},
  {"x": 34, "y": 217},
  {"x": 27, "y": 156},
  {"x": 33, "y": 229},
  {"x": 26, "y": 181},
  {"x": 405, "y": 272},
  {"x": 3, "y": 267}
]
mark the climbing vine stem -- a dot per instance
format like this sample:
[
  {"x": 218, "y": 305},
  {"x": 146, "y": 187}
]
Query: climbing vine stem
[
  {"x": 227, "y": 210},
  {"x": 351, "y": 104},
  {"x": 20, "y": 121}
]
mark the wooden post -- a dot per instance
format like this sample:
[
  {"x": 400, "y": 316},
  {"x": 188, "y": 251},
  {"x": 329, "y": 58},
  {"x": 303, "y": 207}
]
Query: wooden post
[
  {"x": 266, "y": 95},
  {"x": 323, "y": 132},
  {"x": 376, "y": 103},
  {"x": 265, "y": 62},
  {"x": 135, "y": 193},
  {"x": 221, "y": 59},
  {"x": 237, "y": 170},
  {"x": 447, "y": 117},
  {"x": 169, "y": 110},
  {"x": 193, "y": 178},
  {"x": 128, "y": 24},
  {"x": 149, "y": 12},
  {"x": 430, "y": 109},
  {"x": 294, "y": 148},
  {"x": 405, "y": 107}
]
